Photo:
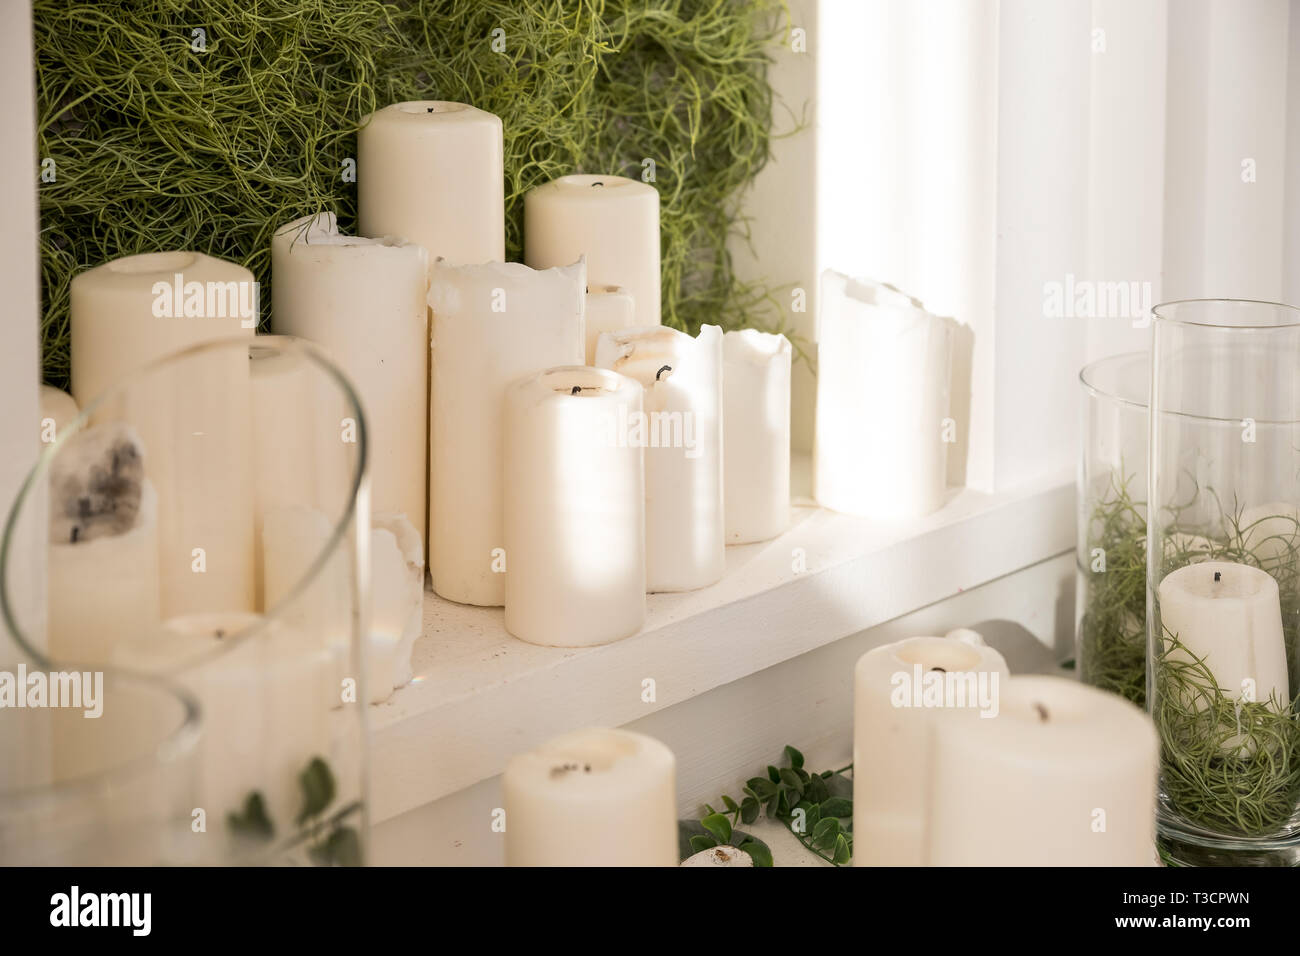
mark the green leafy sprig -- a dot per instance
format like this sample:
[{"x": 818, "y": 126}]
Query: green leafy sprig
[
  {"x": 329, "y": 840},
  {"x": 817, "y": 808}
]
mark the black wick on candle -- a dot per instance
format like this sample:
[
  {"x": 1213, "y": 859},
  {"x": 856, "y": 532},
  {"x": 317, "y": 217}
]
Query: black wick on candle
[
  {"x": 1042, "y": 712},
  {"x": 666, "y": 368},
  {"x": 597, "y": 183},
  {"x": 1218, "y": 576},
  {"x": 429, "y": 109},
  {"x": 939, "y": 669},
  {"x": 576, "y": 390}
]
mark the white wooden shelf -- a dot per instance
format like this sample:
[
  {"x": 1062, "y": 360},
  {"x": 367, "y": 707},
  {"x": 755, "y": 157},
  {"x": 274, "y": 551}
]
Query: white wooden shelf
[{"x": 481, "y": 695}]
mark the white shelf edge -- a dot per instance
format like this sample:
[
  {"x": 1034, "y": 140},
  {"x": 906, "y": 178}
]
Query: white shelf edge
[{"x": 481, "y": 695}]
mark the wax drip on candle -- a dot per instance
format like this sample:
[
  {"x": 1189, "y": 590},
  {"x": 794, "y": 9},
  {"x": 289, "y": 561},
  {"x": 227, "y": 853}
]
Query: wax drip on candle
[
  {"x": 1042, "y": 712},
  {"x": 666, "y": 368}
]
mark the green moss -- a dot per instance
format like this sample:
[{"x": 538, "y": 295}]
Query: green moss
[{"x": 158, "y": 146}]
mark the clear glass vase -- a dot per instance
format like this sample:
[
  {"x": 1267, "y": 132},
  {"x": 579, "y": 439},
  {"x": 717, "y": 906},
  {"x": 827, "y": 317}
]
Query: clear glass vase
[
  {"x": 1223, "y": 611},
  {"x": 109, "y": 780},
  {"x": 208, "y": 523},
  {"x": 1111, "y": 650}
]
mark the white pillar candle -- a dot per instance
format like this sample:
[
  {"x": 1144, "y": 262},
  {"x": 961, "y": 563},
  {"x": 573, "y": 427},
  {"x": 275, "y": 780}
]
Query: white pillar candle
[
  {"x": 432, "y": 172},
  {"x": 756, "y": 434},
  {"x": 610, "y": 308},
  {"x": 883, "y": 367},
  {"x": 194, "y": 419},
  {"x": 682, "y": 434},
  {"x": 492, "y": 324},
  {"x": 592, "y": 798},
  {"x": 612, "y": 220},
  {"x": 1065, "y": 775},
  {"x": 262, "y": 702},
  {"x": 900, "y": 691},
  {"x": 103, "y": 557},
  {"x": 363, "y": 301},
  {"x": 58, "y": 410},
  {"x": 1229, "y": 615},
  {"x": 574, "y": 508}
]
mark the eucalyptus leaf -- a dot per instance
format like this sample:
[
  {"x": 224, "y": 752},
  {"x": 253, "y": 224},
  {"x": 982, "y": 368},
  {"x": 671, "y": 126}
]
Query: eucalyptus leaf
[
  {"x": 791, "y": 780},
  {"x": 825, "y": 832},
  {"x": 718, "y": 825},
  {"x": 842, "y": 854},
  {"x": 758, "y": 851},
  {"x": 317, "y": 783},
  {"x": 749, "y": 809},
  {"x": 729, "y": 804},
  {"x": 837, "y": 807},
  {"x": 252, "y": 821},
  {"x": 794, "y": 756},
  {"x": 773, "y": 774}
]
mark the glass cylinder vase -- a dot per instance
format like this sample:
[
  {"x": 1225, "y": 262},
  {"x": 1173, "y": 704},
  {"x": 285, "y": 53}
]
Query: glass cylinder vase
[
  {"x": 208, "y": 524},
  {"x": 102, "y": 773},
  {"x": 1223, "y": 557},
  {"x": 1111, "y": 552}
]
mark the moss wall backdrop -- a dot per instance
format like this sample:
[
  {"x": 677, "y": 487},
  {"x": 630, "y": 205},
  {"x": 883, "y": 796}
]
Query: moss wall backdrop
[{"x": 204, "y": 124}]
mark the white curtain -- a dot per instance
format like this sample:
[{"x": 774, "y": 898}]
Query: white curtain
[{"x": 981, "y": 153}]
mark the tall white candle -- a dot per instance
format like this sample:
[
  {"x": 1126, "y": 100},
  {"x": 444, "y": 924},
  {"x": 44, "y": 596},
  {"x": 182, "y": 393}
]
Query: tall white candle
[
  {"x": 574, "y": 508},
  {"x": 612, "y": 220},
  {"x": 883, "y": 428},
  {"x": 431, "y": 172},
  {"x": 682, "y": 434},
  {"x": 1229, "y": 615},
  {"x": 610, "y": 308},
  {"x": 363, "y": 301},
  {"x": 103, "y": 557},
  {"x": 592, "y": 798},
  {"x": 294, "y": 538},
  {"x": 756, "y": 434},
  {"x": 1065, "y": 775},
  {"x": 900, "y": 691},
  {"x": 492, "y": 324},
  {"x": 262, "y": 701},
  {"x": 58, "y": 410},
  {"x": 194, "y": 419}
]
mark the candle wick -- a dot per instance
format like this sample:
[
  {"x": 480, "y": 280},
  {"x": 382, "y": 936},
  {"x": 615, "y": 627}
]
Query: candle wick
[
  {"x": 1218, "y": 576},
  {"x": 76, "y": 532},
  {"x": 666, "y": 368},
  {"x": 597, "y": 183},
  {"x": 939, "y": 669},
  {"x": 1042, "y": 712},
  {"x": 576, "y": 390}
]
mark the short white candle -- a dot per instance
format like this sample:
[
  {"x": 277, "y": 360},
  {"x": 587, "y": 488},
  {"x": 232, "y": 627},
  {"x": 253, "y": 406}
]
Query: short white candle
[
  {"x": 103, "y": 557},
  {"x": 883, "y": 367},
  {"x": 431, "y": 172},
  {"x": 492, "y": 325},
  {"x": 363, "y": 301},
  {"x": 575, "y": 508},
  {"x": 592, "y": 798},
  {"x": 900, "y": 691},
  {"x": 612, "y": 220},
  {"x": 610, "y": 308},
  {"x": 194, "y": 419},
  {"x": 262, "y": 702},
  {"x": 756, "y": 434},
  {"x": 1065, "y": 775},
  {"x": 682, "y": 432},
  {"x": 1229, "y": 615},
  {"x": 58, "y": 410}
]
